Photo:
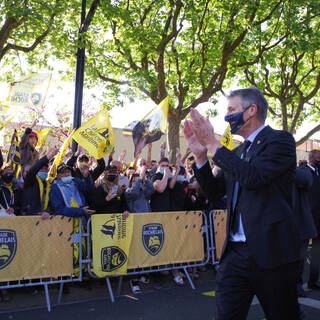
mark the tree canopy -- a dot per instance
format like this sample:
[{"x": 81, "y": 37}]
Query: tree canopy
[
  {"x": 185, "y": 49},
  {"x": 289, "y": 74}
]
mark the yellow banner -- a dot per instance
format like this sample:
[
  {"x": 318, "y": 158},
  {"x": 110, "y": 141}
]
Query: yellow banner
[
  {"x": 227, "y": 139},
  {"x": 166, "y": 238},
  {"x": 42, "y": 137},
  {"x": 157, "y": 239},
  {"x": 96, "y": 135},
  {"x": 111, "y": 239},
  {"x": 33, "y": 248},
  {"x": 29, "y": 91}
]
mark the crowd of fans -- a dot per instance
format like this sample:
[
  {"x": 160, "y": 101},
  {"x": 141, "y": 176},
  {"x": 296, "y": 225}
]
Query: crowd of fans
[{"x": 85, "y": 186}]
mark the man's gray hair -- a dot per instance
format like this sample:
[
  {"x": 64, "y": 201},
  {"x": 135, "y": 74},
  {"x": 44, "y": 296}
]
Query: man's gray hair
[{"x": 250, "y": 96}]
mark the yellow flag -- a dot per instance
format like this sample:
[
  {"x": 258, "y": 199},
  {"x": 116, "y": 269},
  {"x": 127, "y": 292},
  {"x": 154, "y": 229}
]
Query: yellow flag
[
  {"x": 42, "y": 137},
  {"x": 59, "y": 157},
  {"x": 111, "y": 241},
  {"x": 6, "y": 115},
  {"x": 96, "y": 135},
  {"x": 227, "y": 139},
  {"x": 30, "y": 91}
]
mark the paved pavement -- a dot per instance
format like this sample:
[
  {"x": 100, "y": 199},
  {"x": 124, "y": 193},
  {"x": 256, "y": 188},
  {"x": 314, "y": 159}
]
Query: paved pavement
[{"x": 169, "y": 302}]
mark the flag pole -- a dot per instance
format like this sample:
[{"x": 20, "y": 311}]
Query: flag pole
[{"x": 79, "y": 78}]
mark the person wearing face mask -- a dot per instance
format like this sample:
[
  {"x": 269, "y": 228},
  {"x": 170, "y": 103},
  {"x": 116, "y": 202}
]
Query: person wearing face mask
[
  {"x": 7, "y": 191},
  {"x": 139, "y": 192},
  {"x": 160, "y": 200},
  {"x": 261, "y": 253},
  {"x": 109, "y": 196},
  {"x": 178, "y": 189},
  {"x": 66, "y": 194},
  {"x": 35, "y": 192},
  {"x": 80, "y": 160},
  {"x": 313, "y": 195}
]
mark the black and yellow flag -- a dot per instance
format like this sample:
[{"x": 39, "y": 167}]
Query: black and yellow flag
[
  {"x": 59, "y": 157},
  {"x": 14, "y": 154},
  {"x": 96, "y": 135},
  {"x": 151, "y": 127},
  {"x": 227, "y": 139}
]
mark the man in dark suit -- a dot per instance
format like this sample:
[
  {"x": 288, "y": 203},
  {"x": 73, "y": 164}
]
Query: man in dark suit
[
  {"x": 314, "y": 200},
  {"x": 261, "y": 252},
  {"x": 305, "y": 222}
]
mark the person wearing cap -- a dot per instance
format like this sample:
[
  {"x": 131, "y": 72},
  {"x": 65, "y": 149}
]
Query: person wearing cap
[
  {"x": 27, "y": 147},
  {"x": 109, "y": 196},
  {"x": 35, "y": 192},
  {"x": 79, "y": 160},
  {"x": 66, "y": 194}
]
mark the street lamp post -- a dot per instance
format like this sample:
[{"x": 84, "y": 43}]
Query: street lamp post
[{"x": 79, "y": 77}]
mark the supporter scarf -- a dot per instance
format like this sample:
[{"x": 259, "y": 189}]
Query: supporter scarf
[
  {"x": 44, "y": 205},
  {"x": 69, "y": 191}
]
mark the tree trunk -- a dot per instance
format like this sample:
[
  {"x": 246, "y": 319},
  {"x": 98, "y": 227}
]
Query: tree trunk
[{"x": 173, "y": 135}]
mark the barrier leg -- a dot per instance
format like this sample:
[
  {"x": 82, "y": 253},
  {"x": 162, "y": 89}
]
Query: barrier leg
[
  {"x": 189, "y": 279},
  {"x": 119, "y": 286},
  {"x": 110, "y": 289},
  {"x": 47, "y": 297},
  {"x": 60, "y": 292}
]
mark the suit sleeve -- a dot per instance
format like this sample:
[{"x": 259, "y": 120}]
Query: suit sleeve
[
  {"x": 212, "y": 187},
  {"x": 277, "y": 157},
  {"x": 303, "y": 178}
]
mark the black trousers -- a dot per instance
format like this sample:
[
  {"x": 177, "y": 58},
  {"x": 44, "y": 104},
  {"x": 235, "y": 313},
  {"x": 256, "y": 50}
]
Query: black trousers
[{"x": 239, "y": 279}]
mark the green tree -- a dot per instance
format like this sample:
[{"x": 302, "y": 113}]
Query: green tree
[
  {"x": 182, "y": 48},
  {"x": 26, "y": 26},
  {"x": 289, "y": 74}
]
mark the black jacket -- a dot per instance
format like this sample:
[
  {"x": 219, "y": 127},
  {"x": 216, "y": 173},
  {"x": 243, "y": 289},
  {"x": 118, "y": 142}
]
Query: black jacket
[
  {"x": 97, "y": 201},
  {"x": 302, "y": 208},
  {"x": 266, "y": 179},
  {"x": 31, "y": 201},
  {"x": 95, "y": 173}
]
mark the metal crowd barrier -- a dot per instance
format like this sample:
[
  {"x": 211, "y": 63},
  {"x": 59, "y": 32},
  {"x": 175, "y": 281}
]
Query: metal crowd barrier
[
  {"x": 208, "y": 230},
  {"x": 47, "y": 281},
  {"x": 140, "y": 271}
]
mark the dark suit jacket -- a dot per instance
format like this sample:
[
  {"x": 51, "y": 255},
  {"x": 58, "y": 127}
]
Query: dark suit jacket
[
  {"x": 314, "y": 198},
  {"x": 305, "y": 222},
  {"x": 266, "y": 178}
]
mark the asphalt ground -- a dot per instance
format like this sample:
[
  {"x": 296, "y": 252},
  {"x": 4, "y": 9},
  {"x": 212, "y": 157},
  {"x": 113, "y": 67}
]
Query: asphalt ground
[{"x": 168, "y": 302}]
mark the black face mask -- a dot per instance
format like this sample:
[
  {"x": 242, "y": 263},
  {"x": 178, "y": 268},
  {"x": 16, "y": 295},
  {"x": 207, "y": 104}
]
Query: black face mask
[
  {"x": 7, "y": 177},
  {"x": 111, "y": 177}
]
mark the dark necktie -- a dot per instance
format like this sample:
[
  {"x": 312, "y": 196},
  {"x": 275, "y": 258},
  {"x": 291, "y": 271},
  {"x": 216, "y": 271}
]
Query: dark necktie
[{"x": 235, "y": 217}]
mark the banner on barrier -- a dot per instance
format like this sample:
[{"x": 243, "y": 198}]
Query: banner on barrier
[
  {"x": 157, "y": 239},
  {"x": 111, "y": 239},
  {"x": 33, "y": 248},
  {"x": 220, "y": 230},
  {"x": 166, "y": 238}
]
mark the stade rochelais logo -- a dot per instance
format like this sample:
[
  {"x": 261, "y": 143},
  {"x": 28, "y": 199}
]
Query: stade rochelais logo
[
  {"x": 8, "y": 247},
  {"x": 112, "y": 258},
  {"x": 153, "y": 237}
]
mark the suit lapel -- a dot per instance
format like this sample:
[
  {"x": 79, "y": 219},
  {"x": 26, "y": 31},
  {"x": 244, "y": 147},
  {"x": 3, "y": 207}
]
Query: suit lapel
[{"x": 258, "y": 142}]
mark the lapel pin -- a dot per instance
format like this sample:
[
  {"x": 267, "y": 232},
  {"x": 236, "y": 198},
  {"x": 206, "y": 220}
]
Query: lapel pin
[{"x": 258, "y": 142}]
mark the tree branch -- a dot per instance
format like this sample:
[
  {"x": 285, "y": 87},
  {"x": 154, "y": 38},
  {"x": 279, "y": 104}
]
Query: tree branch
[{"x": 308, "y": 135}]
